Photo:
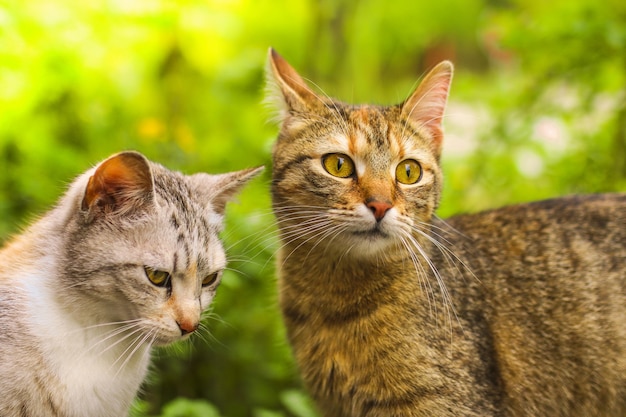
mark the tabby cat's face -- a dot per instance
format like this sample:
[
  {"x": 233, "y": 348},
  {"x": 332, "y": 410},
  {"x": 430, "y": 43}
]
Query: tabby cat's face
[
  {"x": 356, "y": 179},
  {"x": 361, "y": 176}
]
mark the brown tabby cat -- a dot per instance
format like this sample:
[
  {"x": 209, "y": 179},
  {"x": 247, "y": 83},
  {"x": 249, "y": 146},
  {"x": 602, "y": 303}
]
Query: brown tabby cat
[{"x": 390, "y": 311}]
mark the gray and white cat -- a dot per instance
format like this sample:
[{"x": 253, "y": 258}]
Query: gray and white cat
[{"x": 128, "y": 259}]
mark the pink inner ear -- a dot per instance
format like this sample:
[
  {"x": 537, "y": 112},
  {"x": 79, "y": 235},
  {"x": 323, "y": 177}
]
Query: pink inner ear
[
  {"x": 287, "y": 74},
  {"x": 123, "y": 179},
  {"x": 426, "y": 106},
  {"x": 295, "y": 92}
]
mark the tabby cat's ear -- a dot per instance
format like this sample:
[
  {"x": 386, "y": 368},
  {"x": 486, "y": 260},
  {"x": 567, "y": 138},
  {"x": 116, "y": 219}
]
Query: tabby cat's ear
[
  {"x": 218, "y": 190},
  {"x": 122, "y": 184},
  {"x": 286, "y": 90},
  {"x": 425, "y": 107}
]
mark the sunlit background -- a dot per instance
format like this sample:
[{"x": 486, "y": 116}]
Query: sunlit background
[{"x": 537, "y": 109}]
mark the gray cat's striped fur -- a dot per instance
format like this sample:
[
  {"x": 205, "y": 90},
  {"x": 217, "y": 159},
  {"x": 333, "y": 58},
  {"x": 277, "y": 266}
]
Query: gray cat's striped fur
[{"x": 78, "y": 312}]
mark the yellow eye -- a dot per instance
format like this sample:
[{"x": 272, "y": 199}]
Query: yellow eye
[
  {"x": 158, "y": 278},
  {"x": 210, "y": 279},
  {"x": 338, "y": 165},
  {"x": 408, "y": 171}
]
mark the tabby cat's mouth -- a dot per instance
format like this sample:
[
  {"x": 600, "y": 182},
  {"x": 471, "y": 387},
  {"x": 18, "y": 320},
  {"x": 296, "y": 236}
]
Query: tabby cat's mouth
[{"x": 372, "y": 233}]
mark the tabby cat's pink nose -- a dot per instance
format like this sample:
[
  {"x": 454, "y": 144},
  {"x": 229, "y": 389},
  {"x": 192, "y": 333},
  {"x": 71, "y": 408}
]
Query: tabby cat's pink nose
[{"x": 379, "y": 208}]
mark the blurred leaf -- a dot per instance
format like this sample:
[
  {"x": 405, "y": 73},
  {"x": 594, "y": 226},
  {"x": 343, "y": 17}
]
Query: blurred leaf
[
  {"x": 298, "y": 403},
  {"x": 183, "y": 407}
]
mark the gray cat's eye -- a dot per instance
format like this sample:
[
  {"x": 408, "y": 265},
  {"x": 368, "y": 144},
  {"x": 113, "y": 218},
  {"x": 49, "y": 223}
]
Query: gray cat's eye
[
  {"x": 157, "y": 277},
  {"x": 211, "y": 278}
]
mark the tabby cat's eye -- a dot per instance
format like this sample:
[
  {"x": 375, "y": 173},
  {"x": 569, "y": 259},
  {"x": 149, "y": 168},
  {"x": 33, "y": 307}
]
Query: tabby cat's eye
[
  {"x": 338, "y": 165},
  {"x": 409, "y": 172},
  {"x": 210, "y": 279},
  {"x": 158, "y": 278}
]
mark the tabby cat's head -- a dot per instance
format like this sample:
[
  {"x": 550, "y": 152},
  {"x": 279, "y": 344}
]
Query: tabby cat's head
[
  {"x": 141, "y": 246},
  {"x": 357, "y": 178}
]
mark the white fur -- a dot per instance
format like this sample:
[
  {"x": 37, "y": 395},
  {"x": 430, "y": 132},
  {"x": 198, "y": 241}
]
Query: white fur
[{"x": 96, "y": 382}]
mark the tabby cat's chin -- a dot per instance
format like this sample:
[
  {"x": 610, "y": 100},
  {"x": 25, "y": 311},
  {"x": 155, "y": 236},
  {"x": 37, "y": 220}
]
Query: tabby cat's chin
[
  {"x": 368, "y": 237},
  {"x": 362, "y": 244}
]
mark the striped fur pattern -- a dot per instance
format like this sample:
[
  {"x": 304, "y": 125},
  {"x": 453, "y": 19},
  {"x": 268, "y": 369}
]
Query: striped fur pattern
[
  {"x": 78, "y": 312},
  {"x": 391, "y": 311}
]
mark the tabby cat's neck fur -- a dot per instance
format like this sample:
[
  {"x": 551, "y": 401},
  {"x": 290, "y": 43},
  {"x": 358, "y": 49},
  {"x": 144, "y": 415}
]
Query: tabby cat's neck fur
[
  {"x": 129, "y": 258},
  {"x": 391, "y": 312}
]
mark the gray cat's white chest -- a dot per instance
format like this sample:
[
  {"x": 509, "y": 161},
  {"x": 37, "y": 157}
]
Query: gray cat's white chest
[{"x": 89, "y": 370}]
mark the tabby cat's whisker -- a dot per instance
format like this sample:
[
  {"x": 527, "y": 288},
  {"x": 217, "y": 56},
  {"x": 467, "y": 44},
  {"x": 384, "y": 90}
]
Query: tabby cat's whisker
[
  {"x": 307, "y": 232},
  {"x": 272, "y": 236},
  {"x": 445, "y": 295},
  {"x": 449, "y": 227},
  {"x": 450, "y": 256},
  {"x": 335, "y": 231},
  {"x": 422, "y": 277},
  {"x": 336, "y": 114}
]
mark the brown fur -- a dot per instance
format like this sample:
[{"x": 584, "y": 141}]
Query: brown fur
[{"x": 518, "y": 311}]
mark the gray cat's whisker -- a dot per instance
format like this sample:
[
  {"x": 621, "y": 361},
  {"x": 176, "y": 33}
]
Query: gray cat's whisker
[
  {"x": 97, "y": 293},
  {"x": 99, "y": 325},
  {"x": 132, "y": 331},
  {"x": 137, "y": 343},
  {"x": 207, "y": 337}
]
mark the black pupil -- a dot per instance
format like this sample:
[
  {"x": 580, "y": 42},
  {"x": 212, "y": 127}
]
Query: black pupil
[
  {"x": 339, "y": 163},
  {"x": 407, "y": 167}
]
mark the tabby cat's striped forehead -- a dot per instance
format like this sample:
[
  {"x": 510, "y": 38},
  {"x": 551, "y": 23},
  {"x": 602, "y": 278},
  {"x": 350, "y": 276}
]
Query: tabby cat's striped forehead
[{"x": 376, "y": 136}]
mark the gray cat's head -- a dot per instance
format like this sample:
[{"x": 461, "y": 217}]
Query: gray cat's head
[
  {"x": 141, "y": 246},
  {"x": 357, "y": 178}
]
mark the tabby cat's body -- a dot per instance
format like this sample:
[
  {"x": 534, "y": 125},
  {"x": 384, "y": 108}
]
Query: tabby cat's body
[
  {"x": 129, "y": 258},
  {"x": 519, "y": 311}
]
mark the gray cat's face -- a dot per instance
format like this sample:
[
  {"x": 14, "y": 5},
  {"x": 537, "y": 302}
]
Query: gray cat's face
[
  {"x": 147, "y": 258},
  {"x": 160, "y": 273}
]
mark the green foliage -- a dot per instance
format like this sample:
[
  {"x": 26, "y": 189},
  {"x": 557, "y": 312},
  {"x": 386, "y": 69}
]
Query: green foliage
[{"x": 538, "y": 109}]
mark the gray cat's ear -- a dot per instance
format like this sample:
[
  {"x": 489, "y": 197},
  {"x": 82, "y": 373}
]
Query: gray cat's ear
[
  {"x": 286, "y": 90},
  {"x": 426, "y": 106},
  {"x": 217, "y": 190},
  {"x": 121, "y": 184}
]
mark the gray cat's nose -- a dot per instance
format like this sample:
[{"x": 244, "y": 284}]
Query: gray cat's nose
[{"x": 187, "y": 327}]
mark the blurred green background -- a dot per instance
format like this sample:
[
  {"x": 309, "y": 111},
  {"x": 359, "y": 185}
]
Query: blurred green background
[{"x": 537, "y": 109}]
